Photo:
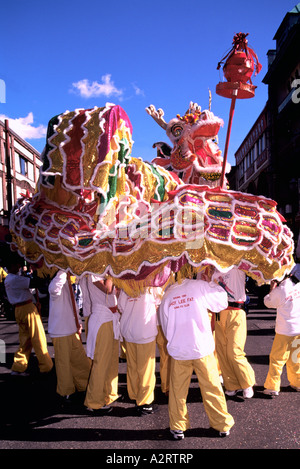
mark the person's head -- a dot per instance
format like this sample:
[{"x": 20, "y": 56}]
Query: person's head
[{"x": 14, "y": 262}]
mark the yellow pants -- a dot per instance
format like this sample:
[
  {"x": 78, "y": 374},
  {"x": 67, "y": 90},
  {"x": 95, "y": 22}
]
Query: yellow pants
[
  {"x": 71, "y": 364},
  {"x": 141, "y": 371},
  {"x": 164, "y": 360},
  {"x": 211, "y": 390},
  {"x": 103, "y": 382},
  {"x": 212, "y": 318},
  {"x": 230, "y": 337},
  {"x": 285, "y": 351},
  {"x": 31, "y": 335}
]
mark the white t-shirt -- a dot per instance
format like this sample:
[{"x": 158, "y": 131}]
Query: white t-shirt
[
  {"x": 184, "y": 318},
  {"x": 139, "y": 318},
  {"x": 17, "y": 288},
  {"x": 286, "y": 299},
  {"x": 61, "y": 320},
  {"x": 234, "y": 283}
]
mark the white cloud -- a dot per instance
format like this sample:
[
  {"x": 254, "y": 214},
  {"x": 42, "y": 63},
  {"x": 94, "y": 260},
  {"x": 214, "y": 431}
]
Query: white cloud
[
  {"x": 89, "y": 90},
  {"x": 138, "y": 91},
  {"x": 24, "y": 128}
]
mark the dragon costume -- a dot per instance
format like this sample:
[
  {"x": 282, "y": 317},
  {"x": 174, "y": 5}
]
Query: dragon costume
[{"x": 97, "y": 209}]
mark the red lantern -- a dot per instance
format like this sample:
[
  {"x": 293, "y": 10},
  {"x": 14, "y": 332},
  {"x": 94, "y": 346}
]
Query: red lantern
[
  {"x": 238, "y": 69},
  {"x": 241, "y": 62}
]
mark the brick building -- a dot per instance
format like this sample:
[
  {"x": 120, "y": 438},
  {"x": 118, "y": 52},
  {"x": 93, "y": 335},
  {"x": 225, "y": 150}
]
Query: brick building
[{"x": 19, "y": 172}]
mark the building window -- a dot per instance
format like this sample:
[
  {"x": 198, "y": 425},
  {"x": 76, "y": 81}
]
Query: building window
[
  {"x": 261, "y": 144},
  {"x": 30, "y": 171},
  {"x": 23, "y": 166}
]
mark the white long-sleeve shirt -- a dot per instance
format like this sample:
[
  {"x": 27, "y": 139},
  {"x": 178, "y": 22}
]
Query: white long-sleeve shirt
[
  {"x": 86, "y": 296},
  {"x": 61, "y": 320},
  {"x": 184, "y": 318},
  {"x": 139, "y": 317},
  {"x": 286, "y": 299},
  {"x": 17, "y": 288},
  {"x": 100, "y": 304}
]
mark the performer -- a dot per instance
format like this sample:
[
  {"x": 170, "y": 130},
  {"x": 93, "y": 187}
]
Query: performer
[
  {"x": 285, "y": 297},
  {"x": 102, "y": 345},
  {"x": 31, "y": 329},
  {"x": 71, "y": 363},
  {"x": 139, "y": 329},
  {"x": 230, "y": 335},
  {"x": 186, "y": 325},
  {"x": 206, "y": 274}
]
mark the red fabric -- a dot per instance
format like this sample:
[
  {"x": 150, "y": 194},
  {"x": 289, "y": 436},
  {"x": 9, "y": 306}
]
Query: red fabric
[{"x": 73, "y": 150}]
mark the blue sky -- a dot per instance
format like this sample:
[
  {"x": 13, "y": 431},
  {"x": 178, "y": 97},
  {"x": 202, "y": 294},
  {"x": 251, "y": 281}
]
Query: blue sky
[{"x": 74, "y": 54}]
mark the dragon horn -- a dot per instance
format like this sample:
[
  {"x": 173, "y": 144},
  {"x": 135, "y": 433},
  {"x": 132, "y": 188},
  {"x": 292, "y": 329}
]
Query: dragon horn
[
  {"x": 157, "y": 116},
  {"x": 193, "y": 107}
]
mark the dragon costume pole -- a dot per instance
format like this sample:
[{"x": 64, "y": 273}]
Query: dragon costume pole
[{"x": 231, "y": 114}]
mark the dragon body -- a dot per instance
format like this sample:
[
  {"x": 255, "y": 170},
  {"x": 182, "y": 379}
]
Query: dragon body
[{"x": 99, "y": 210}]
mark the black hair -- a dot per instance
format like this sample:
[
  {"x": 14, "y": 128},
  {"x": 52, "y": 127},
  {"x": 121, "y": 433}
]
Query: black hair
[{"x": 12, "y": 258}]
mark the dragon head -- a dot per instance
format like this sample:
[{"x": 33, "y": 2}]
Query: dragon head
[{"x": 195, "y": 156}]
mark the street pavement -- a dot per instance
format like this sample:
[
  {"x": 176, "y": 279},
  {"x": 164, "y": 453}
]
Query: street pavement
[{"x": 32, "y": 417}]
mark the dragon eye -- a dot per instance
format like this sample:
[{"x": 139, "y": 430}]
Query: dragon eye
[{"x": 176, "y": 130}]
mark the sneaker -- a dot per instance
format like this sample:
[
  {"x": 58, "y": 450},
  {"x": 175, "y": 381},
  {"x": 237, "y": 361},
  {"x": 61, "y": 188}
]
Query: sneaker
[
  {"x": 65, "y": 401},
  {"x": 224, "y": 434},
  {"x": 106, "y": 409},
  {"x": 147, "y": 409},
  {"x": 248, "y": 393},
  {"x": 295, "y": 387},
  {"x": 271, "y": 392},
  {"x": 19, "y": 373},
  {"x": 177, "y": 434},
  {"x": 232, "y": 393}
]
